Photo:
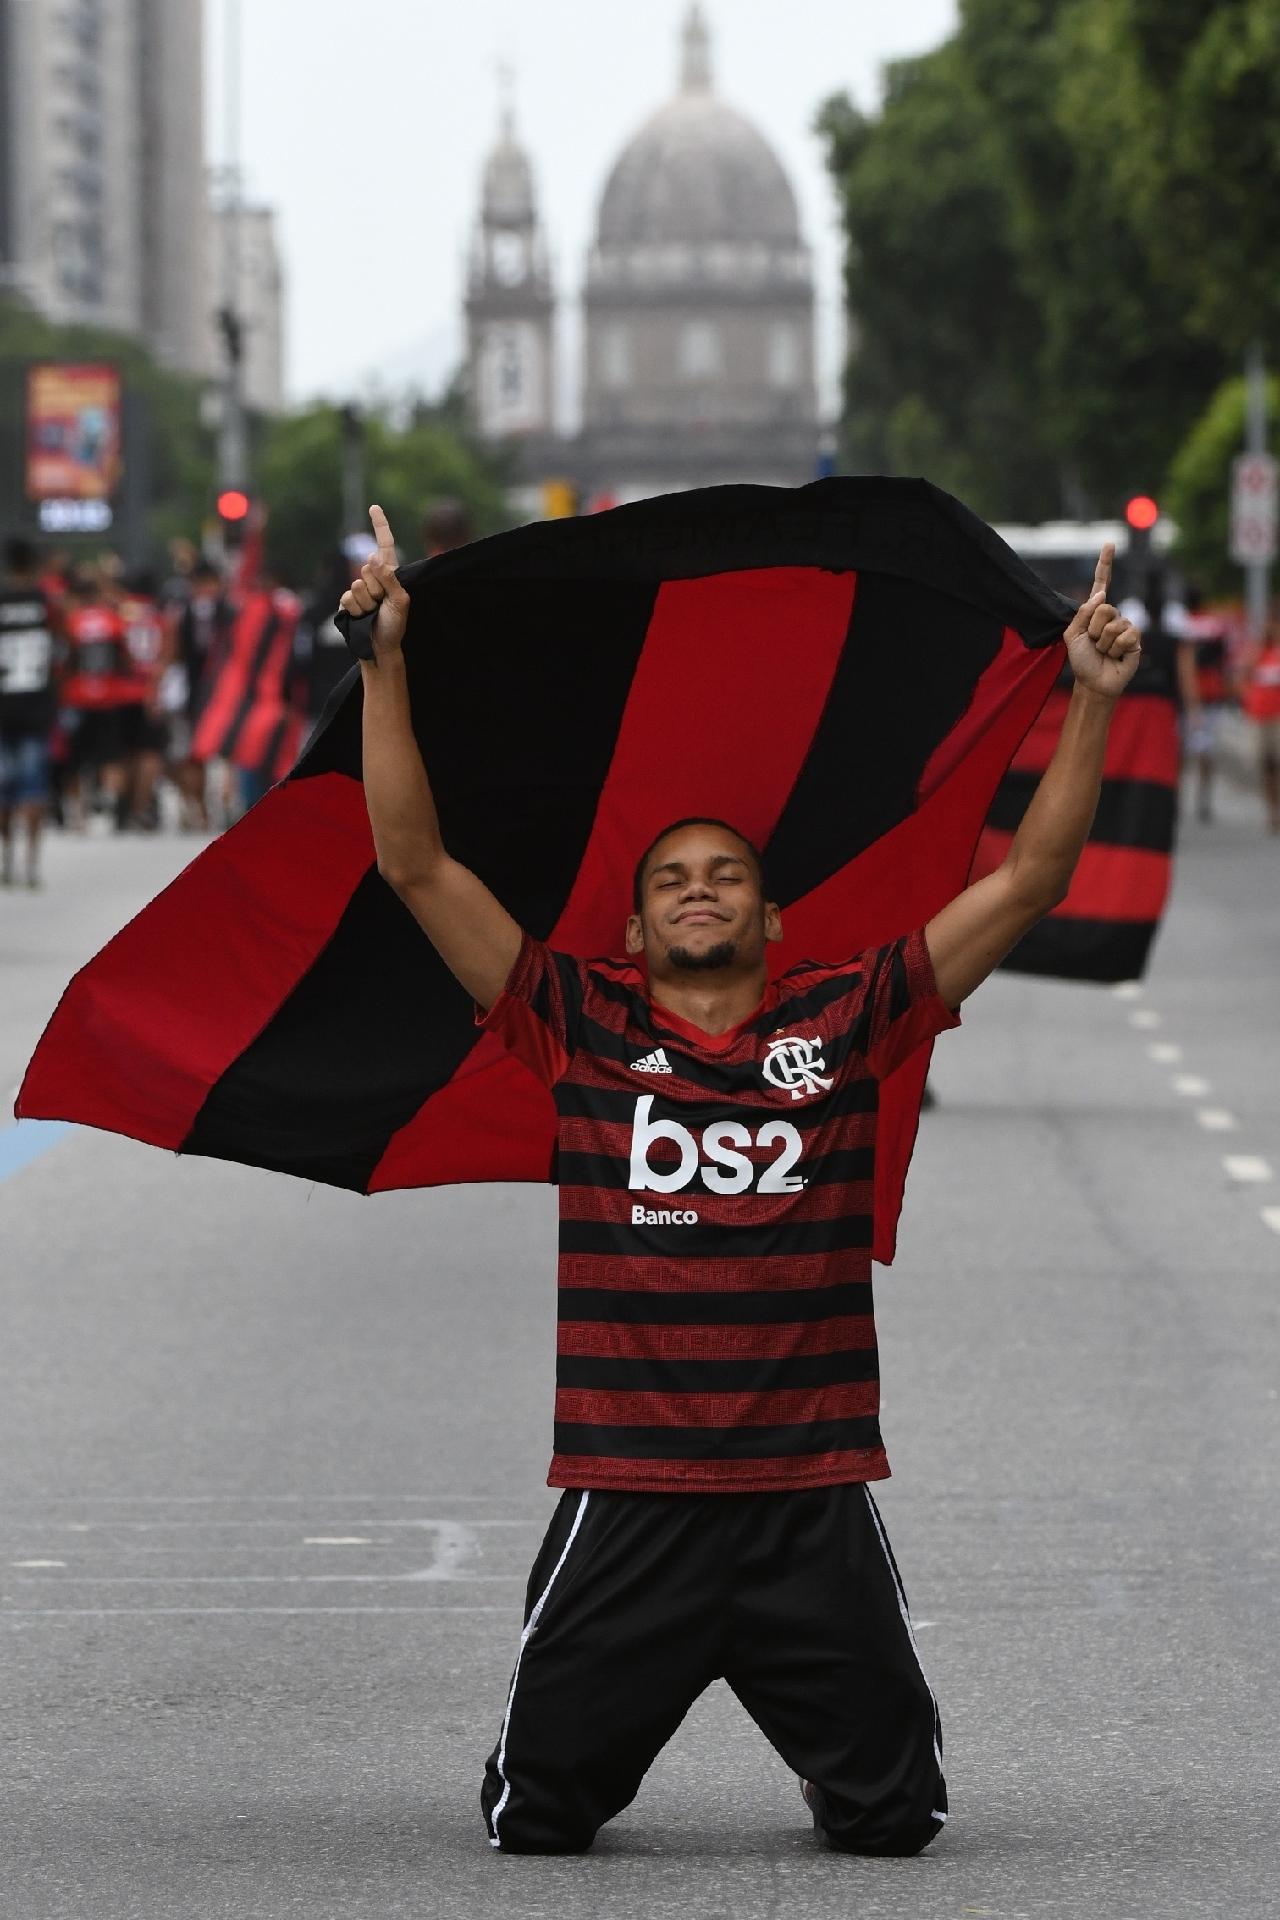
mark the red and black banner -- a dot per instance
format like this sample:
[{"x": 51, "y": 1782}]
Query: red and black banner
[
  {"x": 845, "y": 670},
  {"x": 249, "y": 714},
  {"x": 1105, "y": 927}
]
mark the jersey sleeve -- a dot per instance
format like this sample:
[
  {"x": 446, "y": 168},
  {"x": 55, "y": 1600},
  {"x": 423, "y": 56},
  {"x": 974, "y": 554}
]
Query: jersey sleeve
[
  {"x": 901, "y": 1008},
  {"x": 538, "y": 1014}
]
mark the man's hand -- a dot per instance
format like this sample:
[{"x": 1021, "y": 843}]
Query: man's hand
[
  {"x": 1104, "y": 648},
  {"x": 377, "y": 587}
]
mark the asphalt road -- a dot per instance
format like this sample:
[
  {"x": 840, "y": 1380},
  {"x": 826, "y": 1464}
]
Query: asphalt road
[{"x": 272, "y": 1465}]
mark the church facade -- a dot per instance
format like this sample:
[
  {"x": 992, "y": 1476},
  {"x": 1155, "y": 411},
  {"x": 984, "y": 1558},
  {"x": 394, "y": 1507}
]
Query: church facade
[{"x": 698, "y": 313}]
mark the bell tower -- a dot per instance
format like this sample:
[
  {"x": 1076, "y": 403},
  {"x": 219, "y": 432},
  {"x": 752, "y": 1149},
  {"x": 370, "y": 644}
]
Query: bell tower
[{"x": 510, "y": 299}]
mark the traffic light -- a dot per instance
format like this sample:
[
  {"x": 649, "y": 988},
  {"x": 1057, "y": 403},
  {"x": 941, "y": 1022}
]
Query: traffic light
[
  {"x": 233, "y": 513},
  {"x": 1141, "y": 512}
]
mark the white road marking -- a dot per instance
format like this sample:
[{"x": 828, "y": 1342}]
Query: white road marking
[
  {"x": 37, "y": 1563},
  {"x": 1191, "y": 1085},
  {"x": 336, "y": 1540},
  {"x": 1145, "y": 1017},
  {"x": 1128, "y": 990},
  {"x": 1247, "y": 1166},
  {"x": 1165, "y": 1052},
  {"x": 1217, "y": 1120},
  {"x": 1272, "y": 1217}
]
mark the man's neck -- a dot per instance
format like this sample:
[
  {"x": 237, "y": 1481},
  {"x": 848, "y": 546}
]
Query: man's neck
[{"x": 714, "y": 1005}]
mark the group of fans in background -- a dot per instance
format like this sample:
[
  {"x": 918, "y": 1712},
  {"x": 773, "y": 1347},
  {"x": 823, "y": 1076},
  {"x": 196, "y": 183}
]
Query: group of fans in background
[{"x": 117, "y": 688}]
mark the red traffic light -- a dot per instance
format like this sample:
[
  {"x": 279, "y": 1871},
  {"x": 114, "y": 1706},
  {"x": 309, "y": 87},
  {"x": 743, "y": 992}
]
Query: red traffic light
[
  {"x": 1141, "y": 512},
  {"x": 232, "y": 504}
]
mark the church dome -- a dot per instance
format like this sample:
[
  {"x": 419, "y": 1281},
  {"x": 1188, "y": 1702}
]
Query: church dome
[{"x": 697, "y": 173}]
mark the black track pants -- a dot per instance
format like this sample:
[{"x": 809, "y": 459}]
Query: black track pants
[{"x": 637, "y": 1601}]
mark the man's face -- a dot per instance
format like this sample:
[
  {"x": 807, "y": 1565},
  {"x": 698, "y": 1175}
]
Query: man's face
[{"x": 701, "y": 906}]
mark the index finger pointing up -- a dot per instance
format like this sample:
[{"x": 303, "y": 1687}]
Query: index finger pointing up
[
  {"x": 382, "y": 534},
  {"x": 1101, "y": 573}
]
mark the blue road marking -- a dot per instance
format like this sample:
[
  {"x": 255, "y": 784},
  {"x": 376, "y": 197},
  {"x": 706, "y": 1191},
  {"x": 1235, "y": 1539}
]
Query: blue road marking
[{"x": 26, "y": 1140}]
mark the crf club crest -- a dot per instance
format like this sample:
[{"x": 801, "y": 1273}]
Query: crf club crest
[
  {"x": 797, "y": 1065},
  {"x": 855, "y": 661}
]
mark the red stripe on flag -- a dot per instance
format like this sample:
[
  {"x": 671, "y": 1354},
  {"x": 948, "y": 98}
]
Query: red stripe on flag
[
  {"x": 1003, "y": 681},
  {"x": 123, "y": 1049},
  {"x": 718, "y": 721},
  {"x": 910, "y": 873},
  {"x": 1109, "y": 883},
  {"x": 231, "y": 679},
  {"x": 252, "y": 749},
  {"x": 1142, "y": 743}
]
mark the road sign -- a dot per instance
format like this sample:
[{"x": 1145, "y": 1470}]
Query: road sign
[{"x": 1253, "y": 509}]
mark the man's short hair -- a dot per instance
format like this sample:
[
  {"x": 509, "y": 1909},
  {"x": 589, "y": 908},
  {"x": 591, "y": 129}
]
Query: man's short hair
[
  {"x": 446, "y": 525},
  {"x": 20, "y": 556},
  {"x": 696, "y": 820}
]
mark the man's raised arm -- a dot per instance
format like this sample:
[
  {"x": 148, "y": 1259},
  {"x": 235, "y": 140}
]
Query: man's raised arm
[
  {"x": 472, "y": 932},
  {"x": 972, "y": 934}
]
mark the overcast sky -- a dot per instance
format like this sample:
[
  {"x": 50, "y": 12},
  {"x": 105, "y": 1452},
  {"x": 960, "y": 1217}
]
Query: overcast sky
[{"x": 366, "y": 125}]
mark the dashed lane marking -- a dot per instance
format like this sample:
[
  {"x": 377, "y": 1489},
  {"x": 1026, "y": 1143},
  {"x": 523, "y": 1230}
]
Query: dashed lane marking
[
  {"x": 336, "y": 1540},
  {"x": 1271, "y": 1215},
  {"x": 1217, "y": 1120},
  {"x": 1247, "y": 1166},
  {"x": 1128, "y": 990},
  {"x": 1165, "y": 1052},
  {"x": 1145, "y": 1017},
  {"x": 37, "y": 1563},
  {"x": 1191, "y": 1085}
]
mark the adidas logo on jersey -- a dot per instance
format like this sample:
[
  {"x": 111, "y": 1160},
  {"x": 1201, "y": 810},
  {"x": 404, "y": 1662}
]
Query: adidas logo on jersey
[{"x": 655, "y": 1062}]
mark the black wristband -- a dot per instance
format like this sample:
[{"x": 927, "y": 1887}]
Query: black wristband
[{"x": 357, "y": 631}]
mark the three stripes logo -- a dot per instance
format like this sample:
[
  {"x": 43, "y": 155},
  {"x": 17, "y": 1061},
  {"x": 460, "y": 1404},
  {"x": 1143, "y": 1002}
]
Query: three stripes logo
[{"x": 655, "y": 1062}]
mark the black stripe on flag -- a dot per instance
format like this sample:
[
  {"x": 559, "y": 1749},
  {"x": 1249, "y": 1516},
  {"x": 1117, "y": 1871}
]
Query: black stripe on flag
[
  {"x": 1131, "y": 813},
  {"x": 328, "y": 1107},
  {"x": 1065, "y": 947},
  {"x": 905, "y": 677}
]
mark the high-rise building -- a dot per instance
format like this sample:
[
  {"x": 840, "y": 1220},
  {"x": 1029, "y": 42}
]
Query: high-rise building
[
  {"x": 175, "y": 290},
  {"x": 244, "y": 271},
  {"x": 102, "y": 198}
]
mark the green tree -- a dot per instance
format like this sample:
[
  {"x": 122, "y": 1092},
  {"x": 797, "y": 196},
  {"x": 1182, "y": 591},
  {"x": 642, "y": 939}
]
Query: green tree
[
  {"x": 1194, "y": 86},
  {"x": 299, "y": 475},
  {"x": 1119, "y": 377},
  {"x": 1060, "y": 231},
  {"x": 938, "y": 380},
  {"x": 1199, "y": 485}
]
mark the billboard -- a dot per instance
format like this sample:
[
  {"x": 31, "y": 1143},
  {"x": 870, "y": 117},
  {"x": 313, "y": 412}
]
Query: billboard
[{"x": 73, "y": 431}]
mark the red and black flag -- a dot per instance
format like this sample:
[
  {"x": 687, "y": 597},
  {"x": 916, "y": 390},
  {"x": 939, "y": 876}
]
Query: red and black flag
[
  {"x": 1104, "y": 928},
  {"x": 844, "y": 670}
]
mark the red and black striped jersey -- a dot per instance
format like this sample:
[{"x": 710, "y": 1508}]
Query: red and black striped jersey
[{"x": 716, "y": 1330}]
